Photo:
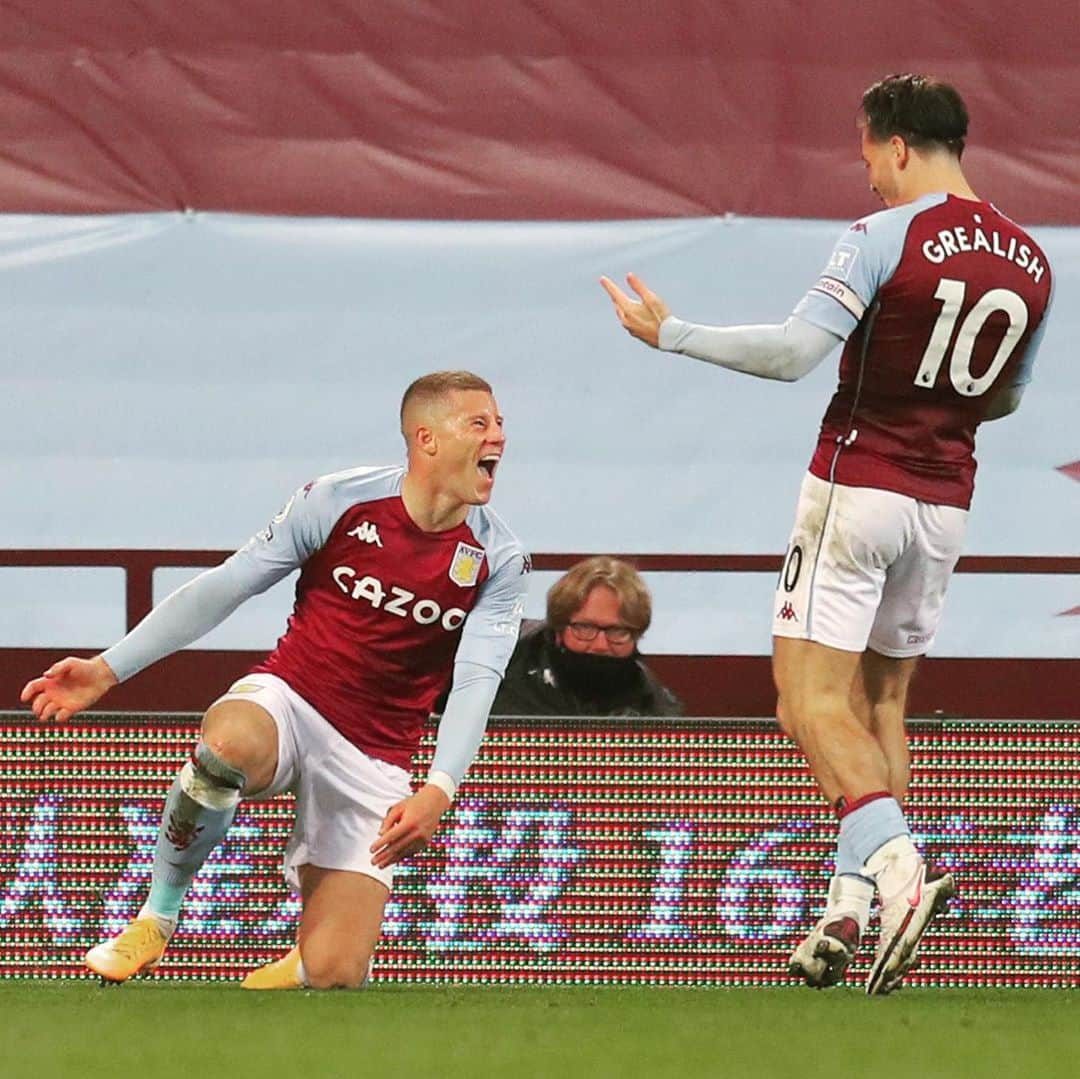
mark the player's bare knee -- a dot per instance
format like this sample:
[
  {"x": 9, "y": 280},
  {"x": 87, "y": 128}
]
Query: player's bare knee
[
  {"x": 242, "y": 742},
  {"x": 233, "y": 752},
  {"x": 329, "y": 971}
]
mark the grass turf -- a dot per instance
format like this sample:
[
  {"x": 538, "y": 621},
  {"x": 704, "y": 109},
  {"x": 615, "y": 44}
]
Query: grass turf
[{"x": 160, "y": 1030}]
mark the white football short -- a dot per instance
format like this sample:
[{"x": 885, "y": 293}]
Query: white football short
[
  {"x": 866, "y": 567},
  {"x": 342, "y": 794}
]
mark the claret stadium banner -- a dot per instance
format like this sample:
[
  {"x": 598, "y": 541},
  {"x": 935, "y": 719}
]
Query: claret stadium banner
[
  {"x": 231, "y": 234},
  {"x": 611, "y": 851}
]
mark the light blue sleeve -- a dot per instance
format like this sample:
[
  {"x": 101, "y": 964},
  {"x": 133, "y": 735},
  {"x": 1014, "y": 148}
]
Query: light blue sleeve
[
  {"x": 864, "y": 258},
  {"x": 786, "y": 352},
  {"x": 487, "y": 642},
  {"x": 464, "y": 719},
  {"x": 1027, "y": 361},
  {"x": 294, "y": 533},
  {"x": 491, "y": 629},
  {"x": 208, "y": 599}
]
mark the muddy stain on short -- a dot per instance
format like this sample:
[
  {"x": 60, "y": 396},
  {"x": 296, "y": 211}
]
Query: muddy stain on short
[
  {"x": 839, "y": 534},
  {"x": 812, "y": 520}
]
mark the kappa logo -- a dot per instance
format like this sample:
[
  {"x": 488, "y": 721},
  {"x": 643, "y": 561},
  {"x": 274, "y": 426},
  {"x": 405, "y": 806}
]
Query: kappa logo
[
  {"x": 787, "y": 613},
  {"x": 366, "y": 532},
  {"x": 465, "y": 566}
]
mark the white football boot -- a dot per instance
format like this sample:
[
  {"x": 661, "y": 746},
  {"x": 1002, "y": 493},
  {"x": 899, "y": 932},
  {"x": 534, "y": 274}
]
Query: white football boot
[
  {"x": 824, "y": 953},
  {"x": 912, "y": 894}
]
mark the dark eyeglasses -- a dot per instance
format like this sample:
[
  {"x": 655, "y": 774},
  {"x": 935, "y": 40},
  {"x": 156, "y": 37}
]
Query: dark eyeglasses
[{"x": 587, "y": 631}]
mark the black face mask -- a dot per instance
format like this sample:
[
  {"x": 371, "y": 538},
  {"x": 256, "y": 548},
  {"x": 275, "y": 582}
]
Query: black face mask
[{"x": 594, "y": 676}]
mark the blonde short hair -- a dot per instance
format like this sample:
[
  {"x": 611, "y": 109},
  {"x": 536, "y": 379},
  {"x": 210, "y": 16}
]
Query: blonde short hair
[
  {"x": 433, "y": 387},
  {"x": 571, "y": 590}
]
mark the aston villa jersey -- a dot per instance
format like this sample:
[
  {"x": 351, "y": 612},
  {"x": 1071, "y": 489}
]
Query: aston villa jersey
[
  {"x": 942, "y": 303},
  {"x": 383, "y": 608}
]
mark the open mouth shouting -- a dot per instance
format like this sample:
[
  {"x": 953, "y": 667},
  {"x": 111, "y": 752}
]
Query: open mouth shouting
[{"x": 487, "y": 465}]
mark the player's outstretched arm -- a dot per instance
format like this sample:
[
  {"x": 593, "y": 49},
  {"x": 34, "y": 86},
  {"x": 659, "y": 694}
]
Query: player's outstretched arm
[
  {"x": 784, "y": 352},
  {"x": 68, "y": 687},
  {"x": 641, "y": 320}
]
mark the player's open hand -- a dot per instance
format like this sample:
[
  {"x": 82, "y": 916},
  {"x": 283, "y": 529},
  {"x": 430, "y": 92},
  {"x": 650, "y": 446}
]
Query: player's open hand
[
  {"x": 409, "y": 826},
  {"x": 642, "y": 320},
  {"x": 68, "y": 687}
]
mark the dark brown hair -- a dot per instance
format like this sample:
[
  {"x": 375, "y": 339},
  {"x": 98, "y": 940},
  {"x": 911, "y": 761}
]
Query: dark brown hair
[{"x": 923, "y": 111}]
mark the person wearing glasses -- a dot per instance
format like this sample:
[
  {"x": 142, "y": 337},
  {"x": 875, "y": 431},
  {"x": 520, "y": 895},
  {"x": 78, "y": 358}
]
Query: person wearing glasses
[{"x": 583, "y": 660}]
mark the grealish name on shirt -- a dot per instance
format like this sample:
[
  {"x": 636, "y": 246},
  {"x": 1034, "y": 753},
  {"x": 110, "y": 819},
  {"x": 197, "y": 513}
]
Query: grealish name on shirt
[{"x": 956, "y": 240}]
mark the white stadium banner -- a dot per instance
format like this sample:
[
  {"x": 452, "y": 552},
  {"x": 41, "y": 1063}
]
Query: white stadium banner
[{"x": 169, "y": 380}]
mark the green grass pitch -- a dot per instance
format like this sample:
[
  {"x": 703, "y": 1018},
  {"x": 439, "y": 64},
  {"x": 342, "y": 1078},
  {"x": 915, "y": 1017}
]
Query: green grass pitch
[{"x": 160, "y": 1030}]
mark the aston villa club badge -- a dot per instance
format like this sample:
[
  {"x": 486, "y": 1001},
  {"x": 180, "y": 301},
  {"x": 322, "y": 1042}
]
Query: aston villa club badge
[{"x": 465, "y": 568}]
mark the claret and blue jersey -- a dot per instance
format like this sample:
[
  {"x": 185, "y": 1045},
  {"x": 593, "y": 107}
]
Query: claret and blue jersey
[
  {"x": 383, "y": 608},
  {"x": 941, "y": 303}
]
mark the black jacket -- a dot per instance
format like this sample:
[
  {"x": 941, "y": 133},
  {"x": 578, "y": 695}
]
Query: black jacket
[{"x": 532, "y": 687}]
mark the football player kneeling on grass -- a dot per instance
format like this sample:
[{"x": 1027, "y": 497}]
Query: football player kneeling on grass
[{"x": 406, "y": 579}]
